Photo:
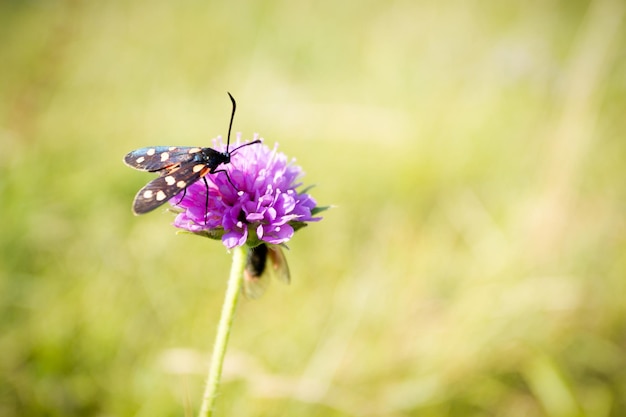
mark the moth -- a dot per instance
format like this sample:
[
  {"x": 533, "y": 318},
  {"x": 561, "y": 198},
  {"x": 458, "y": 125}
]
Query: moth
[
  {"x": 178, "y": 168},
  {"x": 263, "y": 262}
]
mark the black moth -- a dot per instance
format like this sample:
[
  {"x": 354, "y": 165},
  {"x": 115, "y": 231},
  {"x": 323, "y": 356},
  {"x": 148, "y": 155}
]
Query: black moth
[
  {"x": 264, "y": 260},
  {"x": 179, "y": 167}
]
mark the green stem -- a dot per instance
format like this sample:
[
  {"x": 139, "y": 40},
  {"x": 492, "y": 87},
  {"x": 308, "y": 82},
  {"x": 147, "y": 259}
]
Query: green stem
[{"x": 223, "y": 330}]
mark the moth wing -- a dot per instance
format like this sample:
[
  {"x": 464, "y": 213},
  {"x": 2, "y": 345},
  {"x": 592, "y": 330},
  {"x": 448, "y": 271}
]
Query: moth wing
[
  {"x": 278, "y": 265},
  {"x": 255, "y": 286},
  {"x": 255, "y": 281},
  {"x": 157, "y": 158},
  {"x": 158, "y": 191}
]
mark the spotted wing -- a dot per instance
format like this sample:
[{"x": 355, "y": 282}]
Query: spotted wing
[
  {"x": 170, "y": 183},
  {"x": 158, "y": 158}
]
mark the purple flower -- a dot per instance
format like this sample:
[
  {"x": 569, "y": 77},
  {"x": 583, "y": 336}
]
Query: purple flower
[{"x": 263, "y": 205}]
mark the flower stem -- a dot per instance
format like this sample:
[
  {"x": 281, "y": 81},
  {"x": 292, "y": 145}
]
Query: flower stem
[{"x": 223, "y": 330}]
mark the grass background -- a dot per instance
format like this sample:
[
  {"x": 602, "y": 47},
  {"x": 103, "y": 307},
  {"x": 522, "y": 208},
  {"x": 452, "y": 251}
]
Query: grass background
[{"x": 474, "y": 264}]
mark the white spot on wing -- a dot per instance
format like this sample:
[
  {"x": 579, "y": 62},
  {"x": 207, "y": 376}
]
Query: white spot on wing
[
  {"x": 181, "y": 184},
  {"x": 151, "y": 152},
  {"x": 140, "y": 159},
  {"x": 147, "y": 194},
  {"x": 198, "y": 167},
  {"x": 165, "y": 156},
  {"x": 160, "y": 196},
  {"x": 194, "y": 150},
  {"x": 169, "y": 180}
]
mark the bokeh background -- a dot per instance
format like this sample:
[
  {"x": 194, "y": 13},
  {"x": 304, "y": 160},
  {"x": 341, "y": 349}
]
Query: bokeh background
[{"x": 474, "y": 263}]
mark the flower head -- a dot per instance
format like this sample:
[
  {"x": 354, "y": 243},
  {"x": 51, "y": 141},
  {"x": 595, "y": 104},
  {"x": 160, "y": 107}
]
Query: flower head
[{"x": 260, "y": 205}]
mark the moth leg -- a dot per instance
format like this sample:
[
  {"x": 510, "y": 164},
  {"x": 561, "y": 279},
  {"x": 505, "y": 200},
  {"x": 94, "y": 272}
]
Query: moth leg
[
  {"x": 206, "y": 203},
  {"x": 227, "y": 176},
  {"x": 184, "y": 194}
]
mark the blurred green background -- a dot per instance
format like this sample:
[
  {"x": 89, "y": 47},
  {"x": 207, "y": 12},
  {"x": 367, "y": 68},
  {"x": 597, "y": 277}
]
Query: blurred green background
[{"x": 474, "y": 263}]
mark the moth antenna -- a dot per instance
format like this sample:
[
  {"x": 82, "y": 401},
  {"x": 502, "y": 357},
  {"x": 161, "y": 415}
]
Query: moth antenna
[
  {"x": 246, "y": 144},
  {"x": 232, "y": 116}
]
